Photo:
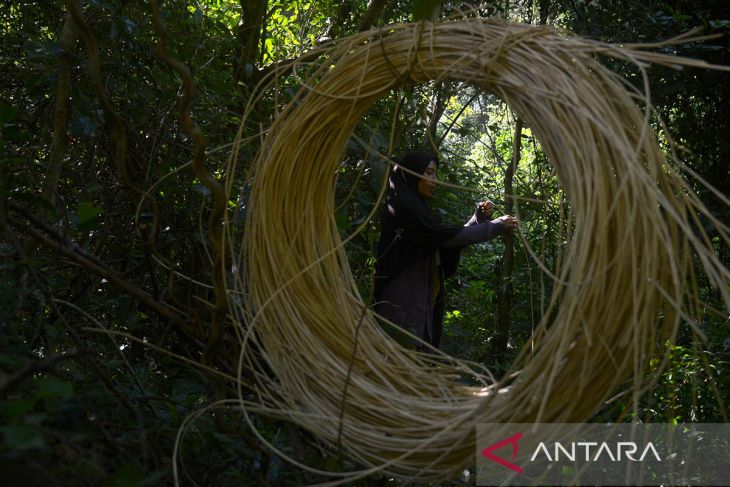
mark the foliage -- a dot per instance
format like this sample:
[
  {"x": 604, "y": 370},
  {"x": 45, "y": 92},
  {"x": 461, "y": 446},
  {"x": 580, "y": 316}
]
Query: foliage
[{"x": 82, "y": 406}]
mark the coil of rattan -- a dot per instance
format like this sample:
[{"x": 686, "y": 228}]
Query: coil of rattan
[{"x": 624, "y": 285}]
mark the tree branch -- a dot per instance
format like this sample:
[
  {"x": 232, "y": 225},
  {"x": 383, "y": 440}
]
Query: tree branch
[
  {"x": 44, "y": 365},
  {"x": 66, "y": 43},
  {"x": 372, "y": 14},
  {"x": 49, "y": 190},
  {"x": 453, "y": 120},
  {"x": 56, "y": 241},
  {"x": 504, "y": 319},
  {"x": 215, "y": 230}
]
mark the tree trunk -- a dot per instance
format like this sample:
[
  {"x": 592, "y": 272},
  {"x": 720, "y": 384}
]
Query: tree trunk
[
  {"x": 442, "y": 93},
  {"x": 544, "y": 8},
  {"x": 504, "y": 319},
  {"x": 250, "y": 33}
]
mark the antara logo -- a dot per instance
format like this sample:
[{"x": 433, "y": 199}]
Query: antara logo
[
  {"x": 628, "y": 448},
  {"x": 487, "y": 452},
  {"x": 593, "y": 452}
]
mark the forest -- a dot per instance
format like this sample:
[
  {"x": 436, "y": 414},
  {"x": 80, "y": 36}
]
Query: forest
[{"x": 118, "y": 124}]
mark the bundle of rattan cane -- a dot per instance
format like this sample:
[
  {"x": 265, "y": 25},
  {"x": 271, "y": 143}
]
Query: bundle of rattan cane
[{"x": 626, "y": 282}]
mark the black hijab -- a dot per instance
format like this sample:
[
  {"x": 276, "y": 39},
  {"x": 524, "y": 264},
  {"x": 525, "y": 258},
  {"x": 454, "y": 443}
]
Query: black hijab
[{"x": 409, "y": 230}]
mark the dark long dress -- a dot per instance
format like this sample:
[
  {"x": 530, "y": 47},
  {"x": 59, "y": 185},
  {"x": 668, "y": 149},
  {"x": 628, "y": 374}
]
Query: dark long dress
[{"x": 414, "y": 298}]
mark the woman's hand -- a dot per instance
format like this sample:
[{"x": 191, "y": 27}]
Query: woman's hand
[
  {"x": 484, "y": 211},
  {"x": 510, "y": 222}
]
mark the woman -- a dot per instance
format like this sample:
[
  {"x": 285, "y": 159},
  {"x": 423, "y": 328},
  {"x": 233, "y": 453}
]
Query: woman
[{"x": 416, "y": 252}]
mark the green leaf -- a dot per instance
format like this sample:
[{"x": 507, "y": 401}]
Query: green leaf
[
  {"x": 7, "y": 112},
  {"x": 22, "y": 437},
  {"x": 16, "y": 409},
  {"x": 427, "y": 10},
  {"x": 128, "y": 475},
  {"x": 87, "y": 211},
  {"x": 342, "y": 222},
  {"x": 55, "y": 388}
]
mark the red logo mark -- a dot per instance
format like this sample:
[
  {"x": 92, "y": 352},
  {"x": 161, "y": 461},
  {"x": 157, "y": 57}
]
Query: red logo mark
[{"x": 487, "y": 452}]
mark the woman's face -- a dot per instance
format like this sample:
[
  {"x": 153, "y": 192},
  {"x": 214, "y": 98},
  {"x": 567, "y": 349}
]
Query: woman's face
[{"x": 427, "y": 183}]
